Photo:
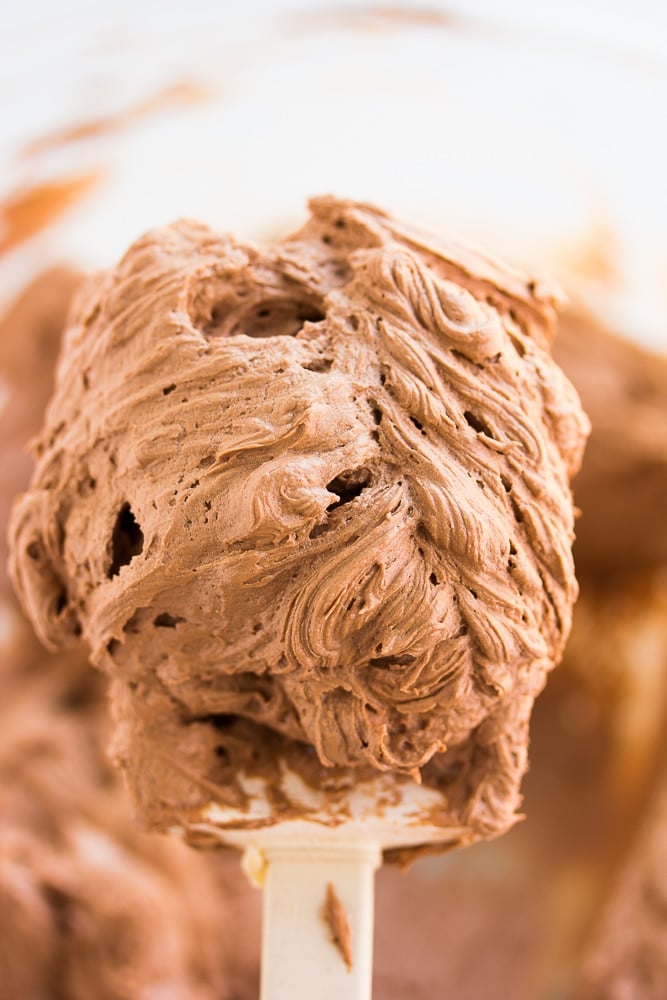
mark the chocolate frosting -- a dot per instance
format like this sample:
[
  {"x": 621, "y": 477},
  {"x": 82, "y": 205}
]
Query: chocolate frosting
[
  {"x": 89, "y": 905},
  {"x": 628, "y": 956},
  {"x": 313, "y": 497},
  {"x": 30, "y": 334},
  {"x": 569, "y": 821},
  {"x": 622, "y": 485}
]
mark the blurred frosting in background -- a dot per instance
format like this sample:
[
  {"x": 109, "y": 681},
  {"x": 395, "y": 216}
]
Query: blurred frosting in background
[{"x": 535, "y": 131}]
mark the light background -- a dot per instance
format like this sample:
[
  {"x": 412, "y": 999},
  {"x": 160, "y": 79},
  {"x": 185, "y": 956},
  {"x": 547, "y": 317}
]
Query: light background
[{"x": 537, "y": 132}]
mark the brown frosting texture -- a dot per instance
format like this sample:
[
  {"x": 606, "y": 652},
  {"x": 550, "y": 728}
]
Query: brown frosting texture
[
  {"x": 89, "y": 905},
  {"x": 319, "y": 490},
  {"x": 628, "y": 955},
  {"x": 622, "y": 485}
]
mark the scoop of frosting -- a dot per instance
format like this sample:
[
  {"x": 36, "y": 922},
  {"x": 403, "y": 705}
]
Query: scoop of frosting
[{"x": 318, "y": 490}]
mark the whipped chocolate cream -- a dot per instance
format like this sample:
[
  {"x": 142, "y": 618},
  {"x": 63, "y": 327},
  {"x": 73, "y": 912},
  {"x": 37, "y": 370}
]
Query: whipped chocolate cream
[
  {"x": 309, "y": 503},
  {"x": 89, "y": 905},
  {"x": 30, "y": 334},
  {"x": 571, "y": 798}
]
